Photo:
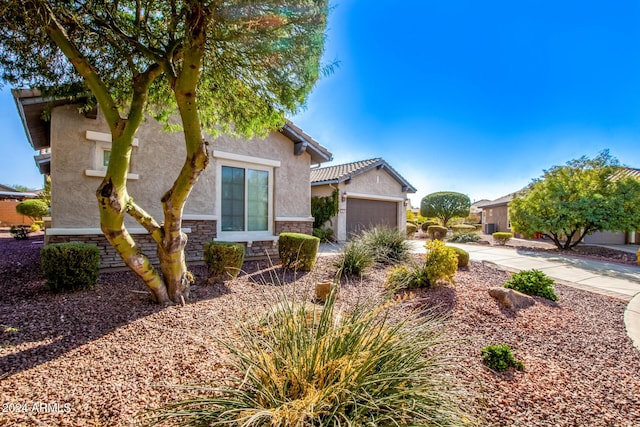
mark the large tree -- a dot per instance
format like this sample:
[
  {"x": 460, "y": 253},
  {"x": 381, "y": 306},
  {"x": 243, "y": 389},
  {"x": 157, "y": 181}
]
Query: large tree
[
  {"x": 445, "y": 205},
  {"x": 232, "y": 66},
  {"x": 582, "y": 197}
]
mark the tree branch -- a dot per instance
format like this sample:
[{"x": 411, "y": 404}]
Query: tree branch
[{"x": 145, "y": 220}]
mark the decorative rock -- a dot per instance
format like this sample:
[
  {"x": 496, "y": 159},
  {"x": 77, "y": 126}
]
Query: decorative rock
[
  {"x": 511, "y": 299},
  {"x": 323, "y": 289}
]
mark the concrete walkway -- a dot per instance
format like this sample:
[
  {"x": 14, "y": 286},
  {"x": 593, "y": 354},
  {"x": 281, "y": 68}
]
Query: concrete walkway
[{"x": 615, "y": 280}]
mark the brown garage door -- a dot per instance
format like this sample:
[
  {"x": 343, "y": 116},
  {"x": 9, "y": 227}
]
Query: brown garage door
[{"x": 363, "y": 214}]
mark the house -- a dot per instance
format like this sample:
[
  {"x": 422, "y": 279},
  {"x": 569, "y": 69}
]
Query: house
[
  {"x": 9, "y": 199},
  {"x": 495, "y": 214},
  {"x": 251, "y": 192},
  {"x": 371, "y": 193}
]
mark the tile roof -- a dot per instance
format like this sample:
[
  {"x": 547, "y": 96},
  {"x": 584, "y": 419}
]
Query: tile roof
[{"x": 340, "y": 173}]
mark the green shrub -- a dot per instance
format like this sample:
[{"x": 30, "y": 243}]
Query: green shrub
[
  {"x": 502, "y": 237},
  {"x": 425, "y": 225},
  {"x": 223, "y": 259},
  {"x": 70, "y": 266},
  {"x": 465, "y": 237},
  {"x": 460, "y": 228},
  {"x": 411, "y": 229},
  {"x": 20, "y": 232},
  {"x": 441, "y": 262},
  {"x": 407, "y": 277},
  {"x": 324, "y": 234},
  {"x": 355, "y": 258},
  {"x": 33, "y": 208},
  {"x": 436, "y": 232},
  {"x": 35, "y": 227},
  {"x": 298, "y": 250},
  {"x": 463, "y": 256},
  {"x": 499, "y": 357},
  {"x": 532, "y": 282},
  {"x": 358, "y": 369},
  {"x": 388, "y": 245}
]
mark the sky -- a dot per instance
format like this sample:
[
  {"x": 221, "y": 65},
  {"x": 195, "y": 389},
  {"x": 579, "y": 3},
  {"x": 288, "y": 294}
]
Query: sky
[{"x": 467, "y": 96}]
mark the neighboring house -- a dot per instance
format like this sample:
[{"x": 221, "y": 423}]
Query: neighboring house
[
  {"x": 9, "y": 199},
  {"x": 495, "y": 214},
  {"x": 371, "y": 193},
  {"x": 251, "y": 192}
]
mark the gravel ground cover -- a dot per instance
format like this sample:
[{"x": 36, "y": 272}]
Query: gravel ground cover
[{"x": 102, "y": 357}]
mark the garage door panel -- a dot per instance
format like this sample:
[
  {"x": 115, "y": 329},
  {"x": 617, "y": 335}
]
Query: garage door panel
[{"x": 363, "y": 214}]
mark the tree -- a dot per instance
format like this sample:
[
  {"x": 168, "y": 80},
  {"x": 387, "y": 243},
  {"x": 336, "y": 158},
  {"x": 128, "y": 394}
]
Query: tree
[
  {"x": 584, "y": 196},
  {"x": 445, "y": 205},
  {"x": 235, "y": 67},
  {"x": 33, "y": 208}
]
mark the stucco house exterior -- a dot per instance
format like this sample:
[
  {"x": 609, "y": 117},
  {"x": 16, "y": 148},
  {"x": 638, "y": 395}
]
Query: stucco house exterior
[
  {"x": 371, "y": 193},
  {"x": 251, "y": 192},
  {"x": 495, "y": 214},
  {"x": 9, "y": 199}
]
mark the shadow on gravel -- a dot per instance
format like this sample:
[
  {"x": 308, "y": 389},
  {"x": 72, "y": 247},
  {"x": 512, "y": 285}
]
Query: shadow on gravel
[{"x": 48, "y": 325}]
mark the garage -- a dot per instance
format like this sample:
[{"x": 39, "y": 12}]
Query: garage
[{"x": 363, "y": 214}]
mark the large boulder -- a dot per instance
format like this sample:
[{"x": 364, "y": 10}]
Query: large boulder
[{"x": 511, "y": 298}]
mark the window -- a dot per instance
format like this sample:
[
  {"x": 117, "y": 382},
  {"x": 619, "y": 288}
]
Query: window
[
  {"x": 245, "y": 198},
  {"x": 102, "y": 154}
]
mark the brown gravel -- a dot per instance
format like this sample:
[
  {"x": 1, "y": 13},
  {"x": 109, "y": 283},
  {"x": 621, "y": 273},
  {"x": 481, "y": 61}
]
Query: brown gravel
[{"x": 103, "y": 356}]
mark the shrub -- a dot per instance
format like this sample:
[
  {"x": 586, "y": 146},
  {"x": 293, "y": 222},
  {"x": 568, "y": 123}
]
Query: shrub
[
  {"x": 407, "y": 277},
  {"x": 411, "y": 229},
  {"x": 388, "y": 245},
  {"x": 502, "y": 237},
  {"x": 425, "y": 225},
  {"x": 70, "y": 266},
  {"x": 463, "y": 256},
  {"x": 465, "y": 237},
  {"x": 532, "y": 282},
  {"x": 357, "y": 369},
  {"x": 441, "y": 262},
  {"x": 459, "y": 228},
  {"x": 355, "y": 258},
  {"x": 35, "y": 227},
  {"x": 298, "y": 250},
  {"x": 324, "y": 234},
  {"x": 20, "y": 232},
  {"x": 223, "y": 259},
  {"x": 436, "y": 232},
  {"x": 33, "y": 208},
  {"x": 499, "y": 357}
]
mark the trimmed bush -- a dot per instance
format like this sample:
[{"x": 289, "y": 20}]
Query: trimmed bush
[
  {"x": 502, "y": 237},
  {"x": 459, "y": 228},
  {"x": 298, "y": 251},
  {"x": 70, "y": 266},
  {"x": 463, "y": 256},
  {"x": 441, "y": 262},
  {"x": 437, "y": 232},
  {"x": 20, "y": 232},
  {"x": 465, "y": 237},
  {"x": 499, "y": 357},
  {"x": 425, "y": 225},
  {"x": 411, "y": 229},
  {"x": 532, "y": 282},
  {"x": 33, "y": 208},
  {"x": 407, "y": 277},
  {"x": 355, "y": 258},
  {"x": 366, "y": 367},
  {"x": 389, "y": 246},
  {"x": 223, "y": 259}
]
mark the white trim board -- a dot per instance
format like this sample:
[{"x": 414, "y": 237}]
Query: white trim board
[
  {"x": 294, "y": 218},
  {"x": 105, "y": 137},
  {"x": 224, "y": 155},
  {"x": 94, "y": 231},
  {"x": 374, "y": 197}
]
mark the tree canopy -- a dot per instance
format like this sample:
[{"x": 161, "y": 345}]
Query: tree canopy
[
  {"x": 234, "y": 66},
  {"x": 445, "y": 205},
  {"x": 582, "y": 197}
]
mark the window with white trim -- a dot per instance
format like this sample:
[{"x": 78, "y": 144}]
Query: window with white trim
[
  {"x": 102, "y": 154},
  {"x": 245, "y": 198}
]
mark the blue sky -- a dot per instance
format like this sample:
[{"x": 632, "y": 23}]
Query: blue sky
[{"x": 468, "y": 96}]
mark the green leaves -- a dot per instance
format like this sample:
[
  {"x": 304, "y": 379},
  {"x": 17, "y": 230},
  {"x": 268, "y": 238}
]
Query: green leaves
[{"x": 445, "y": 205}]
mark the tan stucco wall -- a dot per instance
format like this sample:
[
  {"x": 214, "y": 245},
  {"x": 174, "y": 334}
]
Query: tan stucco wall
[
  {"x": 158, "y": 160},
  {"x": 498, "y": 215}
]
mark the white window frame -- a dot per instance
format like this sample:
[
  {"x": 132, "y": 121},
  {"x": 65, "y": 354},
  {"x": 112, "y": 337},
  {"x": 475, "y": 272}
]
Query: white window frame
[
  {"x": 102, "y": 143},
  {"x": 255, "y": 164}
]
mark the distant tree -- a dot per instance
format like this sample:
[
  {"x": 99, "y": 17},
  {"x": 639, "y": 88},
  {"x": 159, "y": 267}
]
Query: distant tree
[
  {"x": 33, "y": 208},
  {"x": 445, "y": 205},
  {"x": 584, "y": 196},
  {"x": 233, "y": 66},
  {"x": 22, "y": 188}
]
